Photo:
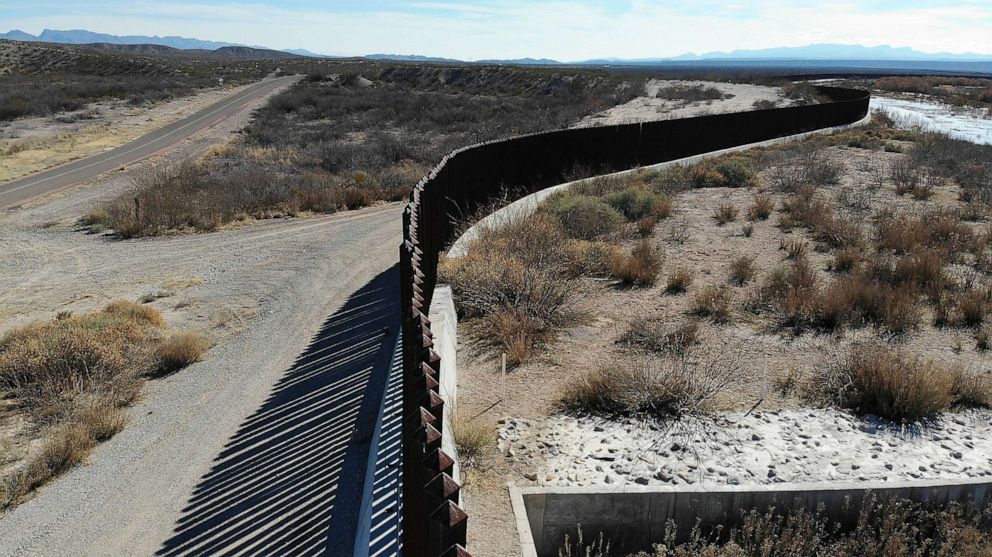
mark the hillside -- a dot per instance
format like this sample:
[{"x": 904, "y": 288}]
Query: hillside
[{"x": 42, "y": 79}]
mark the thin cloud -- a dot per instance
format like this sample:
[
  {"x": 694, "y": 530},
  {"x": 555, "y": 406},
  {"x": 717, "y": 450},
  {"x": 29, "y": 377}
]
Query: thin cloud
[{"x": 545, "y": 28}]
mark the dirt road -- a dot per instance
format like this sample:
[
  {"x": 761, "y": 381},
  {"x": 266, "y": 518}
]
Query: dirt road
[
  {"x": 239, "y": 452},
  {"x": 41, "y": 183}
]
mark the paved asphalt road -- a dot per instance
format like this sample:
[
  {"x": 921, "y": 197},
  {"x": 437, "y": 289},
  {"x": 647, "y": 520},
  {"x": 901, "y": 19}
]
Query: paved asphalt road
[{"x": 49, "y": 181}]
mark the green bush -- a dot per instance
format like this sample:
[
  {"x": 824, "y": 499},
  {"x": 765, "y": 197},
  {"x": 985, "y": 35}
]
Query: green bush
[
  {"x": 634, "y": 203},
  {"x": 737, "y": 173},
  {"x": 582, "y": 216}
]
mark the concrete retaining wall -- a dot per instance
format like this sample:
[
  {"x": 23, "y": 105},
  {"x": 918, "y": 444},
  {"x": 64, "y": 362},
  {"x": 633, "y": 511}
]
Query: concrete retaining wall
[
  {"x": 634, "y": 518},
  {"x": 528, "y": 204},
  {"x": 444, "y": 326}
]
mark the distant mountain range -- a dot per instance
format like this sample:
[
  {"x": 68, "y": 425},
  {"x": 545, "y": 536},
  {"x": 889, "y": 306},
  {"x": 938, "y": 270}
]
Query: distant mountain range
[
  {"x": 81, "y": 36},
  {"x": 810, "y": 52}
]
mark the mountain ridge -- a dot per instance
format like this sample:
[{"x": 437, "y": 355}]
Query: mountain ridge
[{"x": 820, "y": 51}]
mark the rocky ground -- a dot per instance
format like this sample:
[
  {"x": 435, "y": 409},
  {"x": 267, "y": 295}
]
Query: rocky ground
[{"x": 762, "y": 447}]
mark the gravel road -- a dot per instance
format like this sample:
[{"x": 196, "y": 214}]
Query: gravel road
[{"x": 262, "y": 291}]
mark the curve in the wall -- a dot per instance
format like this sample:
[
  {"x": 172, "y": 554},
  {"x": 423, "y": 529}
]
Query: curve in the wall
[{"x": 473, "y": 177}]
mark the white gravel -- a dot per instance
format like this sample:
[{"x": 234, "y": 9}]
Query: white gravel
[{"x": 760, "y": 448}]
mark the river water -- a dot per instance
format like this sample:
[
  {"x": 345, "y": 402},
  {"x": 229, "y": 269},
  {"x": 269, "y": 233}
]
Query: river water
[{"x": 969, "y": 124}]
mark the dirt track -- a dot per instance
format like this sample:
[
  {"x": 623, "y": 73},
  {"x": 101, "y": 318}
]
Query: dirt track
[{"x": 261, "y": 291}]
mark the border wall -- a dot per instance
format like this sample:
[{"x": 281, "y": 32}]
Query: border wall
[{"x": 434, "y": 524}]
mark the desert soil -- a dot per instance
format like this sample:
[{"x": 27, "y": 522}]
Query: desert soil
[
  {"x": 647, "y": 107},
  {"x": 761, "y": 435},
  {"x": 29, "y": 145},
  {"x": 260, "y": 290}
]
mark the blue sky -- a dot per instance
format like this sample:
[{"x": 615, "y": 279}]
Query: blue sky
[{"x": 564, "y": 30}]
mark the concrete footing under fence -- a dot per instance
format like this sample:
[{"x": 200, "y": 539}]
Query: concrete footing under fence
[
  {"x": 444, "y": 327},
  {"x": 635, "y": 518}
]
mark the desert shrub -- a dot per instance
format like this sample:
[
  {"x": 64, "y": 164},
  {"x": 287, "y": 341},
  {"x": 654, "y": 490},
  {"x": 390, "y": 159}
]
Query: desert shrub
[
  {"x": 688, "y": 383},
  {"x": 725, "y": 213},
  {"x": 645, "y": 226},
  {"x": 905, "y": 174},
  {"x": 983, "y": 339},
  {"x": 973, "y": 306},
  {"x": 75, "y": 375},
  {"x": 886, "y": 383},
  {"x": 972, "y": 390},
  {"x": 641, "y": 267},
  {"x": 859, "y": 300},
  {"x": 49, "y": 366},
  {"x": 760, "y": 208},
  {"x": 663, "y": 207},
  {"x": 713, "y": 302},
  {"x": 658, "y": 335},
  {"x": 471, "y": 436},
  {"x": 690, "y": 93},
  {"x": 517, "y": 281},
  {"x": 736, "y": 172},
  {"x": 884, "y": 527},
  {"x": 633, "y": 203},
  {"x": 807, "y": 209},
  {"x": 794, "y": 248},
  {"x": 583, "y": 217},
  {"x": 742, "y": 270},
  {"x": 179, "y": 350},
  {"x": 792, "y": 290},
  {"x": 591, "y": 258},
  {"x": 679, "y": 281},
  {"x": 845, "y": 260}
]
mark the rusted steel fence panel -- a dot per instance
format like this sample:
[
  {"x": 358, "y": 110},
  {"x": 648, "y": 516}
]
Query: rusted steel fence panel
[{"x": 473, "y": 177}]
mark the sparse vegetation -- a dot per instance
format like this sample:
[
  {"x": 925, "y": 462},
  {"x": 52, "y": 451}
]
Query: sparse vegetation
[
  {"x": 742, "y": 270},
  {"x": 761, "y": 208},
  {"x": 686, "y": 384},
  {"x": 640, "y": 268},
  {"x": 75, "y": 376},
  {"x": 885, "y": 527},
  {"x": 679, "y": 281},
  {"x": 725, "y": 213},
  {"x": 358, "y": 134},
  {"x": 895, "y": 386},
  {"x": 517, "y": 283},
  {"x": 713, "y": 302}
]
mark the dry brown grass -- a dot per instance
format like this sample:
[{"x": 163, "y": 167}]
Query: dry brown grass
[
  {"x": 179, "y": 350},
  {"x": 686, "y": 384},
  {"x": 641, "y": 267},
  {"x": 591, "y": 258},
  {"x": 679, "y": 281},
  {"x": 890, "y": 384},
  {"x": 517, "y": 282},
  {"x": 664, "y": 207},
  {"x": 725, "y": 213},
  {"x": 794, "y": 248},
  {"x": 471, "y": 437},
  {"x": 742, "y": 270},
  {"x": 714, "y": 303},
  {"x": 761, "y": 207},
  {"x": 75, "y": 376},
  {"x": 845, "y": 260},
  {"x": 645, "y": 226},
  {"x": 660, "y": 335}
]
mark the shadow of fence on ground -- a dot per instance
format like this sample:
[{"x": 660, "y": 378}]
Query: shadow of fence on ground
[{"x": 290, "y": 481}]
